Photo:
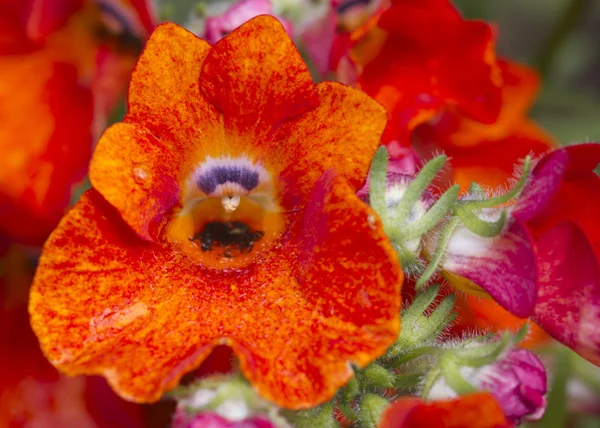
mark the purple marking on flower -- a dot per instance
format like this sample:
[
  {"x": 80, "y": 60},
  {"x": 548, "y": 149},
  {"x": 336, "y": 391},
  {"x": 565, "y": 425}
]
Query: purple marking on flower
[
  {"x": 519, "y": 383},
  {"x": 218, "y": 27},
  {"x": 221, "y": 174},
  {"x": 504, "y": 266},
  {"x": 568, "y": 303}
]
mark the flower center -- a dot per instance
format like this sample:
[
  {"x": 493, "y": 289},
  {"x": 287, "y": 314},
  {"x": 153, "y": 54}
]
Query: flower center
[{"x": 229, "y": 214}]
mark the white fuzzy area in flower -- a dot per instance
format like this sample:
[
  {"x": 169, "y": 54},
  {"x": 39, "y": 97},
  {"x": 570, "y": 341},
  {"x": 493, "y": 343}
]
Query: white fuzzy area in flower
[
  {"x": 393, "y": 195},
  {"x": 199, "y": 398},
  {"x": 234, "y": 409},
  {"x": 442, "y": 391},
  {"x": 468, "y": 244}
]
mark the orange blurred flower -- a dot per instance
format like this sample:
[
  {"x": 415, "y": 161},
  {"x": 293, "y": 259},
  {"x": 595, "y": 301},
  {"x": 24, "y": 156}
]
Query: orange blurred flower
[
  {"x": 58, "y": 81},
  {"x": 32, "y": 392},
  {"x": 478, "y": 410},
  {"x": 224, "y": 212}
]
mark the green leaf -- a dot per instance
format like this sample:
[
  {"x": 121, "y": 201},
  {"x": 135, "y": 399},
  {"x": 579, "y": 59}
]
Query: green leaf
[{"x": 377, "y": 183}]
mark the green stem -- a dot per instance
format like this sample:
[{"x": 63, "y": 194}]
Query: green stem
[
  {"x": 377, "y": 183},
  {"x": 556, "y": 412},
  {"x": 478, "y": 226},
  {"x": 398, "y": 357},
  {"x": 564, "y": 26},
  {"x": 454, "y": 378},
  {"x": 502, "y": 199},
  {"x": 415, "y": 189},
  {"x": 432, "y": 217},
  {"x": 443, "y": 241}
]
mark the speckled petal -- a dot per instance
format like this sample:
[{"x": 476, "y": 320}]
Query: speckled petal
[
  {"x": 139, "y": 175},
  {"x": 142, "y": 319},
  {"x": 164, "y": 95},
  {"x": 338, "y": 305},
  {"x": 343, "y": 132},
  {"x": 504, "y": 266},
  {"x": 568, "y": 305},
  {"x": 257, "y": 79}
]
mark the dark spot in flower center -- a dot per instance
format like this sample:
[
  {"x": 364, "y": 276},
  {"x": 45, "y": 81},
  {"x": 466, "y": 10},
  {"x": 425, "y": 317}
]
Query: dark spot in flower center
[
  {"x": 217, "y": 175},
  {"x": 233, "y": 235}
]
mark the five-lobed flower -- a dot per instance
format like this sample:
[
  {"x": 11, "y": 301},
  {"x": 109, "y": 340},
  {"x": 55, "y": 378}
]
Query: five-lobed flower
[{"x": 223, "y": 211}]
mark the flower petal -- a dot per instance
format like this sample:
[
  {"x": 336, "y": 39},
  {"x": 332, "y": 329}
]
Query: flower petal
[
  {"x": 519, "y": 88},
  {"x": 478, "y": 410},
  {"x": 256, "y": 78},
  {"x": 164, "y": 95},
  {"x": 421, "y": 66},
  {"x": 568, "y": 303},
  {"x": 504, "y": 266},
  {"x": 45, "y": 16},
  {"x": 347, "y": 309},
  {"x": 492, "y": 163},
  {"x": 343, "y": 240},
  {"x": 563, "y": 188},
  {"x": 342, "y": 132},
  {"x": 142, "y": 321},
  {"x": 32, "y": 392},
  {"x": 278, "y": 317},
  {"x": 138, "y": 174},
  {"x": 485, "y": 314}
]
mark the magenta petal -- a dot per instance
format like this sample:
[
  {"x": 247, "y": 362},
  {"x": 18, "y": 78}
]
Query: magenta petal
[
  {"x": 568, "y": 303},
  {"x": 519, "y": 383},
  {"x": 218, "y": 27},
  {"x": 504, "y": 266},
  {"x": 546, "y": 179},
  {"x": 566, "y": 163},
  {"x": 213, "y": 420}
]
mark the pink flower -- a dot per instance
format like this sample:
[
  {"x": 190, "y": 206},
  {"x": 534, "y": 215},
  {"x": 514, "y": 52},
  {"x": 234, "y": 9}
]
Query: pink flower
[
  {"x": 519, "y": 383},
  {"x": 219, "y": 26}
]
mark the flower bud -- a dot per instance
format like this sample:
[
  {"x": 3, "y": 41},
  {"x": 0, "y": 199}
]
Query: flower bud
[
  {"x": 519, "y": 383},
  {"x": 517, "y": 380}
]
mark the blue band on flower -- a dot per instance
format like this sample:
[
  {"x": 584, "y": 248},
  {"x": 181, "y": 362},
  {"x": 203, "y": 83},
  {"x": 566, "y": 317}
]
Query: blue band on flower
[{"x": 238, "y": 174}]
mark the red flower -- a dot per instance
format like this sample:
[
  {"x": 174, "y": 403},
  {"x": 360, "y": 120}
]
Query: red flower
[
  {"x": 560, "y": 209},
  {"x": 224, "y": 212},
  {"x": 486, "y": 153},
  {"x": 545, "y": 263},
  {"x": 431, "y": 58},
  {"x": 470, "y": 411}
]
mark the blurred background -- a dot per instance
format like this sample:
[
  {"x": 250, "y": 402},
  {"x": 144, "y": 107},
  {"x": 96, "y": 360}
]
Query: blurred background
[{"x": 560, "y": 38}]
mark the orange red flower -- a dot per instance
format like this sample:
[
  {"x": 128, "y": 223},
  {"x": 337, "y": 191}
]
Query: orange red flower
[
  {"x": 478, "y": 410},
  {"x": 224, "y": 212}
]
